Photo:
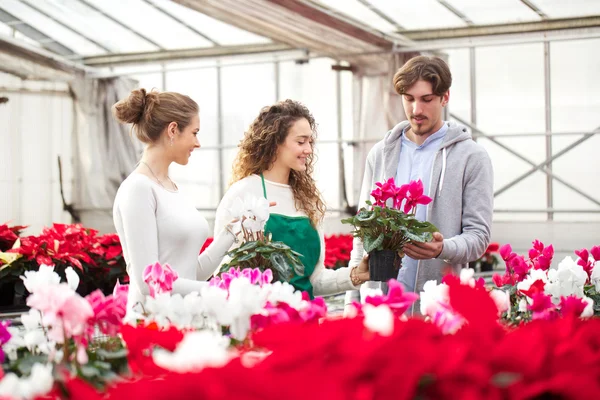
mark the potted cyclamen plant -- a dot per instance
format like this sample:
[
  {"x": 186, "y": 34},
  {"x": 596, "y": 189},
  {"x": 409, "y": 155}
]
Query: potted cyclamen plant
[
  {"x": 256, "y": 249},
  {"x": 386, "y": 225}
]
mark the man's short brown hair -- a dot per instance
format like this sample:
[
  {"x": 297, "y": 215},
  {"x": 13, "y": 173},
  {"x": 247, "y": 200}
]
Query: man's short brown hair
[{"x": 430, "y": 69}]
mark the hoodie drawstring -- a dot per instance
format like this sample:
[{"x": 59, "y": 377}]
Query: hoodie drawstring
[{"x": 443, "y": 171}]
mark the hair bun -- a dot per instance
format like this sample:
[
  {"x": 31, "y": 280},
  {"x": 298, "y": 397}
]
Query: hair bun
[{"x": 134, "y": 108}]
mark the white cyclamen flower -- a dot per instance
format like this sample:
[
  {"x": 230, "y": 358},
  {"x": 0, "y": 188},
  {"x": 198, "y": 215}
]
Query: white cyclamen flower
[
  {"x": 72, "y": 278},
  {"x": 595, "y": 277},
  {"x": 38, "y": 383},
  {"x": 568, "y": 279},
  {"x": 533, "y": 276},
  {"x": 379, "y": 319},
  {"x": 44, "y": 276},
  {"x": 197, "y": 350}
]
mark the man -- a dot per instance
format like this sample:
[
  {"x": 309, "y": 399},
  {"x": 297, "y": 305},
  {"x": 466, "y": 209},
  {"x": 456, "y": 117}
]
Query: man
[{"x": 456, "y": 173}]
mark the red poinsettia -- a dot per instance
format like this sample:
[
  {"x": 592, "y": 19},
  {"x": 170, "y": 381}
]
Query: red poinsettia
[{"x": 9, "y": 235}]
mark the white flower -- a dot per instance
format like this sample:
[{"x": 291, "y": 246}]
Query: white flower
[
  {"x": 197, "y": 350},
  {"x": 433, "y": 298},
  {"x": 366, "y": 291},
  {"x": 38, "y": 383},
  {"x": 44, "y": 276},
  {"x": 252, "y": 210},
  {"x": 595, "y": 277},
  {"x": 245, "y": 301},
  {"x": 72, "y": 278},
  {"x": 533, "y": 276},
  {"x": 523, "y": 305},
  {"x": 282, "y": 292},
  {"x": 568, "y": 279},
  {"x": 379, "y": 319},
  {"x": 502, "y": 300},
  {"x": 467, "y": 276},
  {"x": 588, "y": 311},
  {"x": 216, "y": 305}
]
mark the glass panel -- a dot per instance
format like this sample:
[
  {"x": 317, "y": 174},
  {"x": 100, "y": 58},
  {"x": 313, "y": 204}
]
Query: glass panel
[
  {"x": 460, "y": 91},
  {"x": 510, "y": 99},
  {"x": 200, "y": 85},
  {"x": 245, "y": 90},
  {"x": 571, "y": 8},
  {"x": 359, "y": 12},
  {"x": 495, "y": 12},
  {"x": 575, "y": 106},
  {"x": 425, "y": 14},
  {"x": 155, "y": 25},
  {"x": 218, "y": 31},
  {"x": 313, "y": 84},
  {"x": 52, "y": 29}
]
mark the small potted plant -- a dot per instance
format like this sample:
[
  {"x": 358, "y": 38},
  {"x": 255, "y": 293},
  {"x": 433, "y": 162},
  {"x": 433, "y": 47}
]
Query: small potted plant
[
  {"x": 488, "y": 260},
  {"x": 386, "y": 225},
  {"x": 256, "y": 249}
]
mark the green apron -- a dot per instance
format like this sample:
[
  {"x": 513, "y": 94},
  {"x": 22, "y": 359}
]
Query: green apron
[{"x": 302, "y": 237}]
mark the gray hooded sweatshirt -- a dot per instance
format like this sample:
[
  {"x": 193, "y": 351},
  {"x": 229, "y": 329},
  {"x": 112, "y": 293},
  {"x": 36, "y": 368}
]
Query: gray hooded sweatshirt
[{"x": 461, "y": 187}]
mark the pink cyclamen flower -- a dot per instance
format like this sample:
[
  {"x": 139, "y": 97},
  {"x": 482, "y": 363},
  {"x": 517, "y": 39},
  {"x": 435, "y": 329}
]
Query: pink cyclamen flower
[
  {"x": 4, "y": 337},
  {"x": 63, "y": 310},
  {"x": 572, "y": 306},
  {"x": 414, "y": 195},
  {"x": 542, "y": 307},
  {"x": 159, "y": 278},
  {"x": 396, "y": 299},
  {"x": 109, "y": 311}
]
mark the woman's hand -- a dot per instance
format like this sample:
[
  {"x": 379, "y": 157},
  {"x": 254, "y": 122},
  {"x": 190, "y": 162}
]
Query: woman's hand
[{"x": 361, "y": 274}]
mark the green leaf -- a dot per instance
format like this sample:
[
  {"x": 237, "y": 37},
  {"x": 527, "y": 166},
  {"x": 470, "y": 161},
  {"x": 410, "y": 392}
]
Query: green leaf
[
  {"x": 279, "y": 263},
  {"x": 279, "y": 246},
  {"x": 264, "y": 249},
  {"x": 419, "y": 237},
  {"x": 247, "y": 257},
  {"x": 365, "y": 216},
  {"x": 371, "y": 244},
  {"x": 111, "y": 355},
  {"x": 247, "y": 246}
]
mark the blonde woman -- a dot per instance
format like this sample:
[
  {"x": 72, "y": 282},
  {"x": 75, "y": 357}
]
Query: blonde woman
[
  {"x": 154, "y": 221},
  {"x": 275, "y": 160}
]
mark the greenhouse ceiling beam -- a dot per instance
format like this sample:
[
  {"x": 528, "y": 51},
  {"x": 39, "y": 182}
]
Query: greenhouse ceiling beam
[
  {"x": 456, "y": 12},
  {"x": 535, "y": 9},
  {"x": 315, "y": 14},
  {"x": 381, "y": 14},
  {"x": 501, "y": 40},
  {"x": 34, "y": 34},
  {"x": 32, "y": 5},
  {"x": 182, "y": 22},
  {"x": 503, "y": 29},
  {"x": 29, "y": 62},
  {"x": 121, "y": 24},
  {"x": 172, "y": 55}
]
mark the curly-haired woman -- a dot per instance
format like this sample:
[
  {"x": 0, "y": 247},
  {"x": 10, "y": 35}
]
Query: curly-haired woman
[{"x": 276, "y": 161}]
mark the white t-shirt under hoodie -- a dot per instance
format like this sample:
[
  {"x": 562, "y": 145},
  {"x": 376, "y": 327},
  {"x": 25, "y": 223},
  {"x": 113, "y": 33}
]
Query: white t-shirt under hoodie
[
  {"x": 156, "y": 224},
  {"x": 324, "y": 281}
]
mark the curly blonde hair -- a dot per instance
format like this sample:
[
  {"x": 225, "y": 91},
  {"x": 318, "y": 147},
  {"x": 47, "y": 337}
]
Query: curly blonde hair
[{"x": 258, "y": 150}]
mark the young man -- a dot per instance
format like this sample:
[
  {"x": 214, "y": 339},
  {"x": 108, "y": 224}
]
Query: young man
[{"x": 456, "y": 173}]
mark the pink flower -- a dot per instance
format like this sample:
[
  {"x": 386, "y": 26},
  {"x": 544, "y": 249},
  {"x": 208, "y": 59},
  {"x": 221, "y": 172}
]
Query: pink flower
[
  {"x": 542, "y": 307},
  {"x": 383, "y": 192},
  {"x": 595, "y": 251},
  {"x": 120, "y": 293},
  {"x": 159, "y": 278},
  {"x": 109, "y": 311},
  {"x": 506, "y": 252},
  {"x": 572, "y": 306},
  {"x": 63, "y": 310},
  {"x": 397, "y": 300},
  {"x": 254, "y": 275},
  {"x": 414, "y": 195}
]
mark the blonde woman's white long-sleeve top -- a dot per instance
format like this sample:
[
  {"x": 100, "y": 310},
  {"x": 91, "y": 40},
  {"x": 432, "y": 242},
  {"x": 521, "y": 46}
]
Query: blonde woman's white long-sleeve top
[
  {"x": 158, "y": 225},
  {"x": 324, "y": 281}
]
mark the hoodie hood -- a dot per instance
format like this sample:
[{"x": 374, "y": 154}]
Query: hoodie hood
[{"x": 392, "y": 142}]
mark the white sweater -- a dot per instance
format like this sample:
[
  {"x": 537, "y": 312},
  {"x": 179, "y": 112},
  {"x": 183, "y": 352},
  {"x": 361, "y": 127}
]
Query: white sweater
[
  {"x": 155, "y": 224},
  {"x": 323, "y": 280}
]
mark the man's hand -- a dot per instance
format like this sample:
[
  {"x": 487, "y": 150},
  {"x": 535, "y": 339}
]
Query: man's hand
[{"x": 425, "y": 251}]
